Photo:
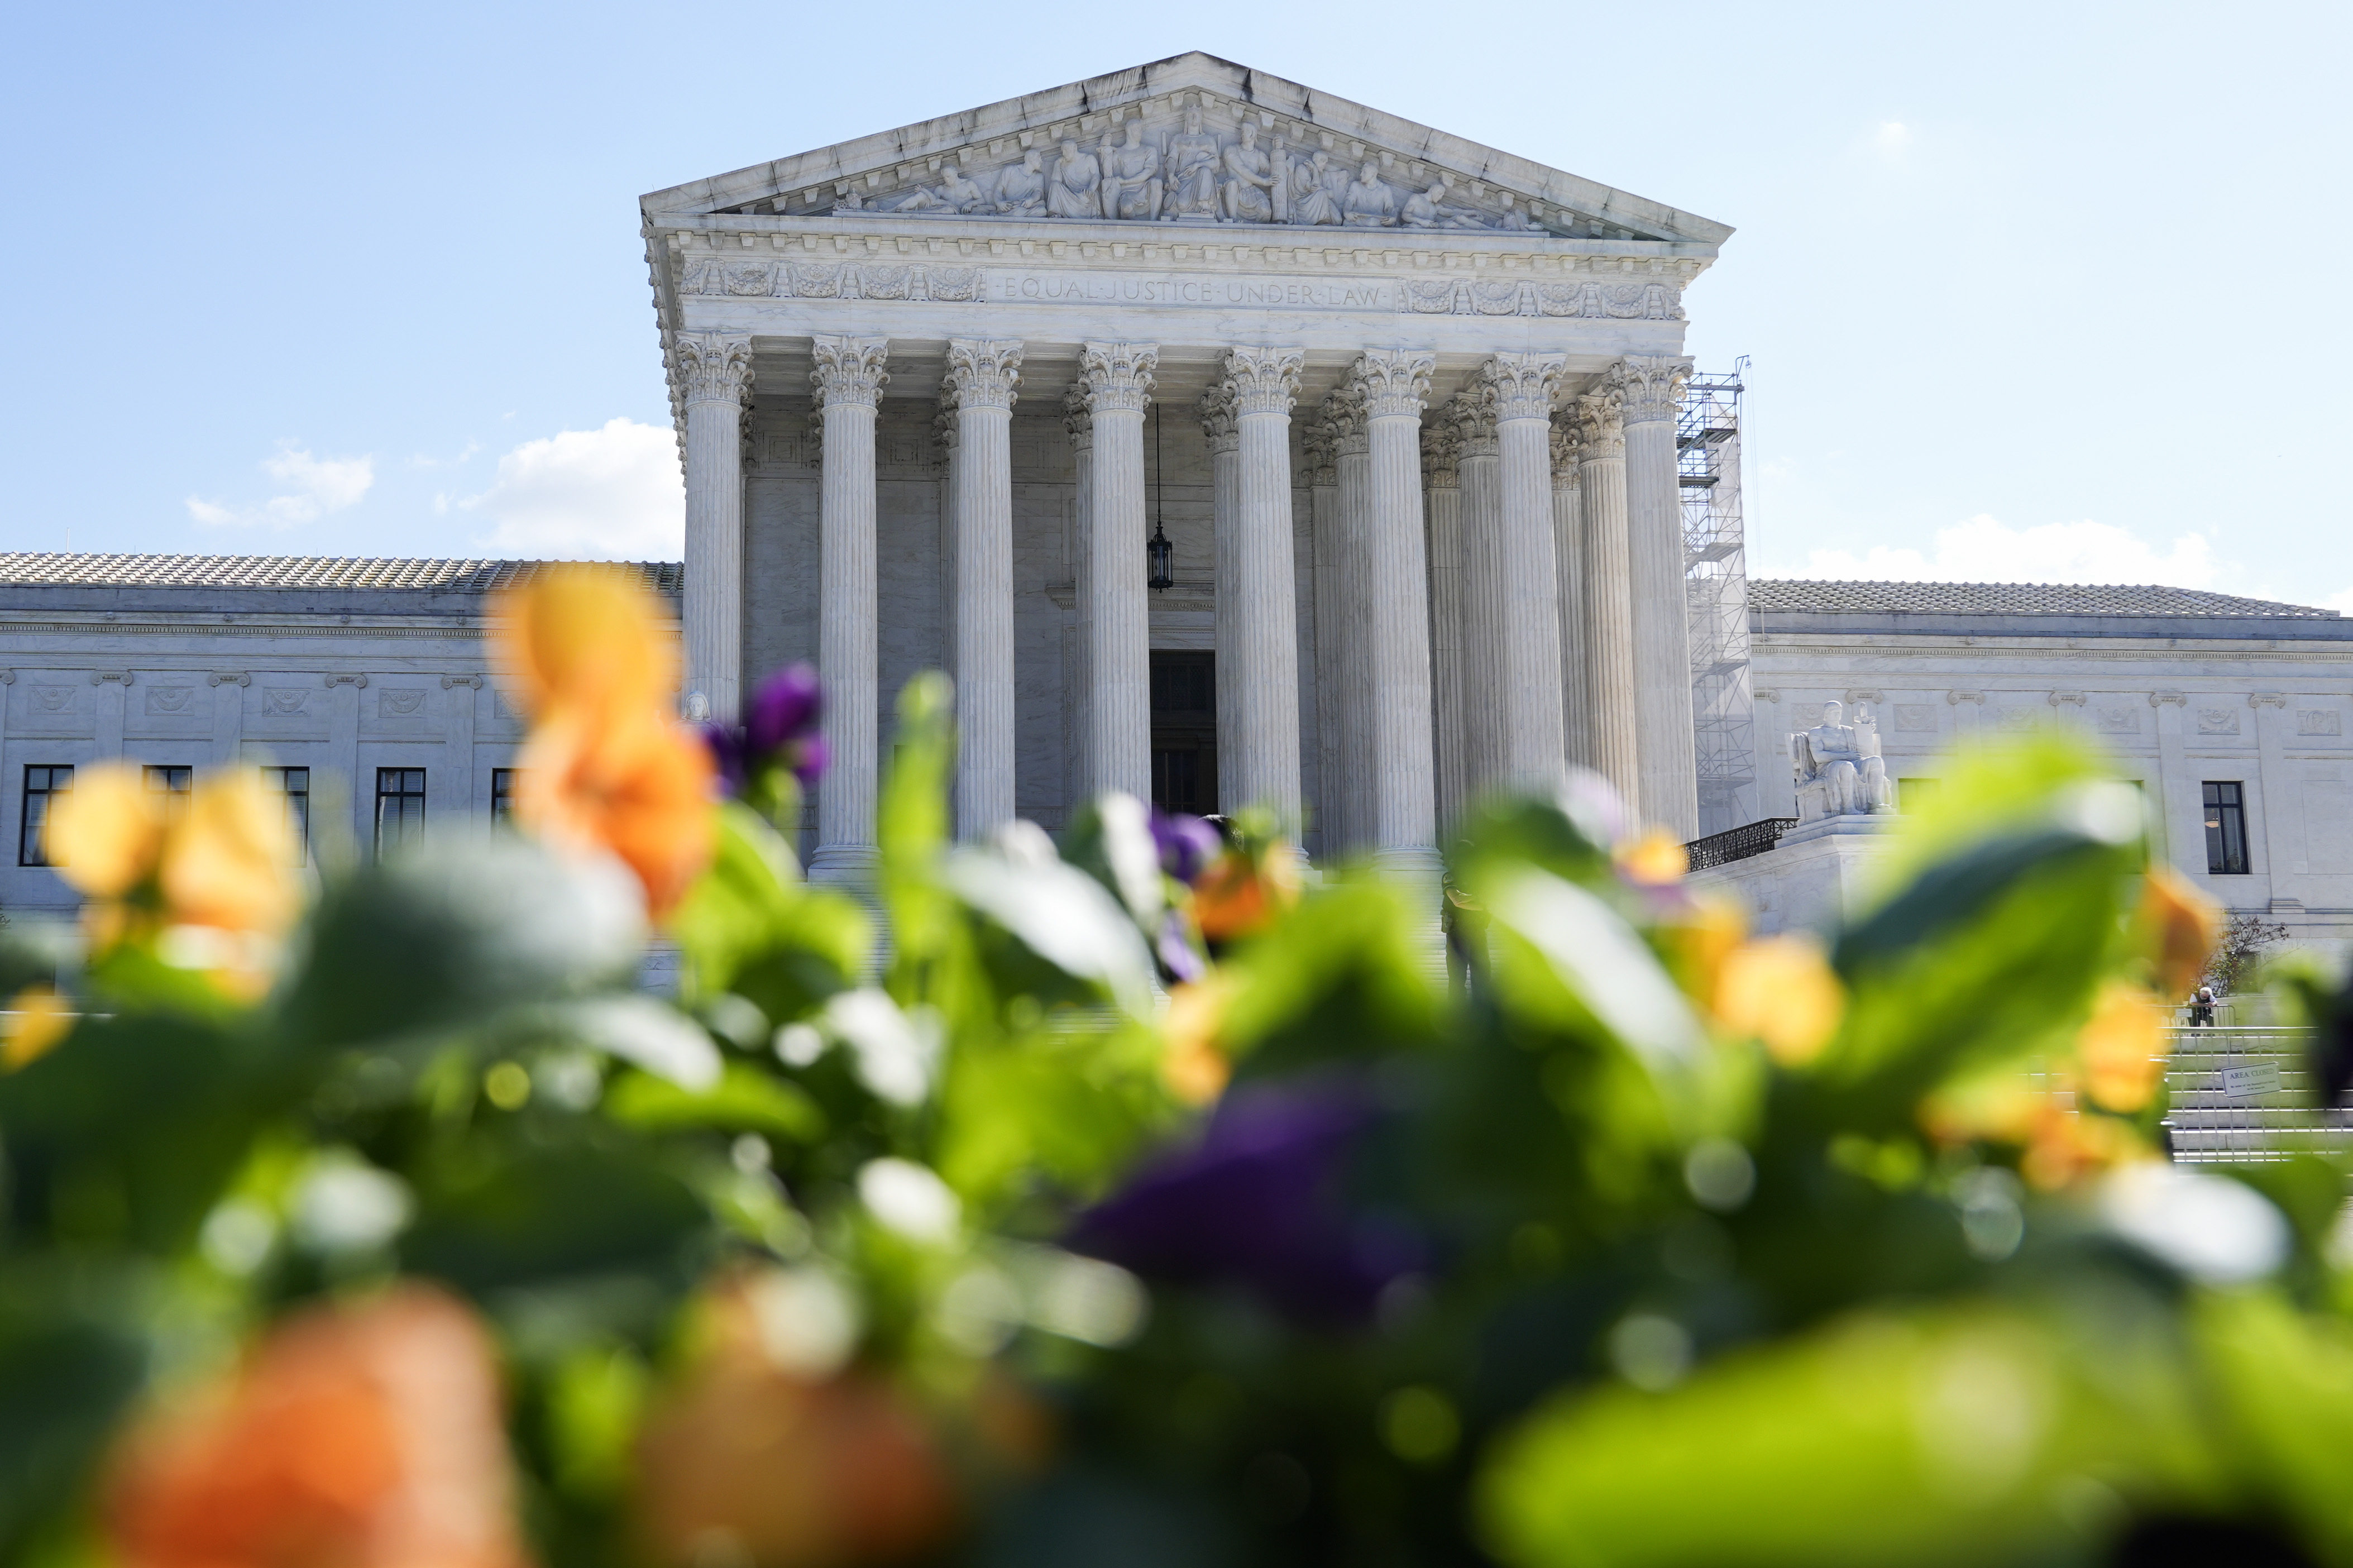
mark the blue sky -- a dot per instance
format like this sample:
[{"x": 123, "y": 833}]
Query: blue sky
[{"x": 2029, "y": 291}]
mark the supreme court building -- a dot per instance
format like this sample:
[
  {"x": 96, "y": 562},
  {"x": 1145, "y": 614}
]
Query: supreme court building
[{"x": 1401, "y": 407}]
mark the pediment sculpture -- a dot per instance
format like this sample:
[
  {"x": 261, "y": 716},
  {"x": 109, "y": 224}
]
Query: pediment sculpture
[
  {"x": 1838, "y": 768},
  {"x": 1193, "y": 171}
]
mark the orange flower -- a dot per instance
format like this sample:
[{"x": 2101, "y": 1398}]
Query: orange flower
[
  {"x": 2067, "y": 1145},
  {"x": 356, "y": 1436},
  {"x": 2122, "y": 1047},
  {"x": 36, "y": 1018},
  {"x": 227, "y": 863},
  {"x": 584, "y": 636},
  {"x": 1699, "y": 945},
  {"x": 1657, "y": 859},
  {"x": 105, "y": 836},
  {"x": 1241, "y": 895},
  {"x": 782, "y": 1471},
  {"x": 2183, "y": 927},
  {"x": 1193, "y": 1066},
  {"x": 635, "y": 784},
  {"x": 1781, "y": 990}
]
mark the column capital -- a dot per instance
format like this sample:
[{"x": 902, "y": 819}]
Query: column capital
[
  {"x": 984, "y": 372},
  {"x": 1471, "y": 417},
  {"x": 1076, "y": 417},
  {"x": 1220, "y": 418},
  {"x": 849, "y": 370},
  {"x": 1649, "y": 386},
  {"x": 1263, "y": 380},
  {"x": 1442, "y": 450},
  {"x": 1601, "y": 427},
  {"x": 1344, "y": 415},
  {"x": 1322, "y": 443},
  {"x": 1392, "y": 382},
  {"x": 943, "y": 425},
  {"x": 1118, "y": 377},
  {"x": 1521, "y": 386},
  {"x": 1568, "y": 437},
  {"x": 711, "y": 367}
]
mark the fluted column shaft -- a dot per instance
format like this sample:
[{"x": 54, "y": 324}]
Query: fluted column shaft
[
  {"x": 1081, "y": 425},
  {"x": 1443, "y": 523},
  {"x": 982, "y": 374},
  {"x": 1609, "y": 611},
  {"x": 1568, "y": 565},
  {"x": 1403, "y": 825},
  {"x": 1118, "y": 379},
  {"x": 1331, "y": 613},
  {"x": 1519, "y": 388},
  {"x": 1258, "y": 605},
  {"x": 1353, "y": 497},
  {"x": 1669, "y": 794},
  {"x": 1217, "y": 411},
  {"x": 848, "y": 378},
  {"x": 714, "y": 373},
  {"x": 1485, "y": 590}
]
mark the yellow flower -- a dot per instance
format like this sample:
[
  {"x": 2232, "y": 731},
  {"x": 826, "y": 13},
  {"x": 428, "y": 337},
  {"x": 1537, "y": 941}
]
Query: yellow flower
[
  {"x": 584, "y": 636},
  {"x": 228, "y": 863},
  {"x": 106, "y": 833},
  {"x": 1780, "y": 990},
  {"x": 1699, "y": 945},
  {"x": 1655, "y": 860},
  {"x": 1193, "y": 1066},
  {"x": 2183, "y": 927},
  {"x": 2122, "y": 1047},
  {"x": 633, "y": 784},
  {"x": 36, "y": 1018}
]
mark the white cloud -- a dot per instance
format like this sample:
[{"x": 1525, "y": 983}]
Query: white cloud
[
  {"x": 311, "y": 488},
  {"x": 2341, "y": 603},
  {"x": 1987, "y": 550},
  {"x": 1891, "y": 140},
  {"x": 613, "y": 493}
]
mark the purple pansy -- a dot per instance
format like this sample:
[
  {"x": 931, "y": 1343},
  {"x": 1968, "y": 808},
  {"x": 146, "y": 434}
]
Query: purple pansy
[
  {"x": 1187, "y": 844},
  {"x": 780, "y": 727},
  {"x": 1262, "y": 1201},
  {"x": 1176, "y": 948}
]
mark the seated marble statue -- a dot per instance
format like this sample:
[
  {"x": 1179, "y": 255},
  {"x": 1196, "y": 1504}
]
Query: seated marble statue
[
  {"x": 1131, "y": 175},
  {"x": 1313, "y": 199},
  {"x": 1422, "y": 209},
  {"x": 959, "y": 194},
  {"x": 1073, "y": 191},
  {"x": 1194, "y": 159},
  {"x": 1247, "y": 193},
  {"x": 1022, "y": 189},
  {"x": 1837, "y": 768},
  {"x": 1369, "y": 203}
]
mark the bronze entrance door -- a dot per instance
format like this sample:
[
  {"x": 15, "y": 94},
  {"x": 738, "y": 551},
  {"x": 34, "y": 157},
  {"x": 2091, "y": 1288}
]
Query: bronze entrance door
[{"x": 1185, "y": 731}]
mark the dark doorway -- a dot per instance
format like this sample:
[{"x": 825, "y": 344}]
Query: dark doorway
[{"x": 1185, "y": 733}]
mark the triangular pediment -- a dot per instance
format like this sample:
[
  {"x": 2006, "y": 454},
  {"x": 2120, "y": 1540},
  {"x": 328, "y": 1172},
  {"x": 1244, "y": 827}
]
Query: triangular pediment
[{"x": 1192, "y": 140}]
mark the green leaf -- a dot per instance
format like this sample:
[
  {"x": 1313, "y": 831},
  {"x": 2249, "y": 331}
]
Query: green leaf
[
  {"x": 65, "y": 1381},
  {"x": 745, "y": 1099},
  {"x": 752, "y": 926},
  {"x": 437, "y": 938},
  {"x": 550, "y": 1214},
  {"x": 1344, "y": 974},
  {"x": 1059, "y": 913}
]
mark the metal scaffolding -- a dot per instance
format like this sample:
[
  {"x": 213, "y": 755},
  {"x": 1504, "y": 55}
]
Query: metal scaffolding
[{"x": 1715, "y": 589}]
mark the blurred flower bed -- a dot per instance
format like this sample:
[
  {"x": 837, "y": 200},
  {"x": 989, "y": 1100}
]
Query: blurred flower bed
[{"x": 1124, "y": 1201}]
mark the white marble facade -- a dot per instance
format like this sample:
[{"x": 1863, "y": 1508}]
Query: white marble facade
[
  {"x": 2182, "y": 688},
  {"x": 1390, "y": 393}
]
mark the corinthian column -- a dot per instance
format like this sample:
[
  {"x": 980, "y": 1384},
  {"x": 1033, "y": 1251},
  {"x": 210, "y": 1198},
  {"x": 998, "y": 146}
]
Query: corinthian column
[
  {"x": 1391, "y": 384},
  {"x": 1225, "y": 443},
  {"x": 1652, "y": 385},
  {"x": 1344, "y": 411},
  {"x": 1608, "y": 613},
  {"x": 848, "y": 378},
  {"x": 1081, "y": 690},
  {"x": 1525, "y": 588},
  {"x": 982, "y": 374},
  {"x": 713, "y": 371},
  {"x": 1258, "y": 607},
  {"x": 1321, "y": 443},
  {"x": 1569, "y": 562},
  {"x": 1118, "y": 380},
  {"x": 1441, "y": 447},
  {"x": 1479, "y": 557}
]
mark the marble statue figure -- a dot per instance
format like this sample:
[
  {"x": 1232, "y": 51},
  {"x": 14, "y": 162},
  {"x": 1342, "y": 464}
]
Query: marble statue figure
[
  {"x": 1193, "y": 160},
  {"x": 1312, "y": 200},
  {"x": 1072, "y": 192},
  {"x": 963, "y": 194},
  {"x": 1369, "y": 203},
  {"x": 1022, "y": 189},
  {"x": 1131, "y": 177},
  {"x": 1838, "y": 768},
  {"x": 1249, "y": 186}
]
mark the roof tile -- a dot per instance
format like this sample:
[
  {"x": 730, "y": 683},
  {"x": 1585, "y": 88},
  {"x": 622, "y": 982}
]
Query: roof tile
[
  {"x": 1792, "y": 594},
  {"x": 88, "y": 569}
]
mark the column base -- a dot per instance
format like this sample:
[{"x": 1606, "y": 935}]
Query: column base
[
  {"x": 1419, "y": 875},
  {"x": 851, "y": 867}
]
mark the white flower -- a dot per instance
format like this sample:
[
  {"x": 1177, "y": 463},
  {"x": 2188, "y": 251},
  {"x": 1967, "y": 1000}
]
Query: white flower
[{"x": 910, "y": 1199}]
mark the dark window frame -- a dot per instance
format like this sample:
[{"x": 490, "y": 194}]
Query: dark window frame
[
  {"x": 393, "y": 787},
  {"x": 298, "y": 816},
  {"x": 176, "y": 782},
  {"x": 503, "y": 790},
  {"x": 2224, "y": 812},
  {"x": 56, "y": 779}
]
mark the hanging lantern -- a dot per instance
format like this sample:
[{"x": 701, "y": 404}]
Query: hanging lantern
[{"x": 1156, "y": 551}]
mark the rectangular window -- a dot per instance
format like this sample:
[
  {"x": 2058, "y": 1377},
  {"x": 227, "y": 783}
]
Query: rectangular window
[
  {"x": 399, "y": 806},
  {"x": 295, "y": 785},
  {"x": 1185, "y": 731},
  {"x": 43, "y": 785},
  {"x": 172, "y": 783},
  {"x": 2226, "y": 829},
  {"x": 502, "y": 788}
]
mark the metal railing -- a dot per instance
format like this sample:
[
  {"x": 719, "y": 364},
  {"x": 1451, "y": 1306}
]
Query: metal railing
[
  {"x": 2241, "y": 1094},
  {"x": 1738, "y": 842}
]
